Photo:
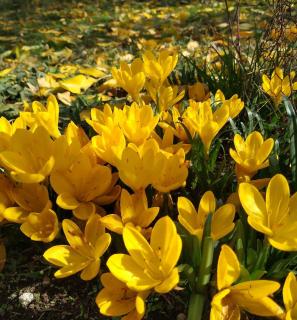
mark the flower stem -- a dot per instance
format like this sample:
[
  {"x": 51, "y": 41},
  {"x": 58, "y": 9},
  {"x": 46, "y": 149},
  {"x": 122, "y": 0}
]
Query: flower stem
[{"x": 196, "y": 305}]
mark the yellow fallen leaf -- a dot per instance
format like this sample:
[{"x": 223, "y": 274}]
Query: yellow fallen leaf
[
  {"x": 65, "y": 98},
  {"x": 77, "y": 83},
  {"x": 109, "y": 84},
  {"x": 4, "y": 72},
  {"x": 94, "y": 72}
]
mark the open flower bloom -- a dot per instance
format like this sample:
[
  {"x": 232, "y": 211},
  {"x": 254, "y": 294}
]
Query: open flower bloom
[
  {"x": 29, "y": 156},
  {"x": 43, "y": 116},
  {"x": 171, "y": 171},
  {"x": 250, "y": 296},
  {"x": 277, "y": 217},
  {"x": 251, "y": 154},
  {"x": 279, "y": 86},
  {"x": 290, "y": 297},
  {"x": 149, "y": 265},
  {"x": 137, "y": 122},
  {"x": 42, "y": 226},
  {"x": 204, "y": 122},
  {"x": 109, "y": 145},
  {"x": 193, "y": 221},
  {"x": 116, "y": 299},
  {"x": 80, "y": 185},
  {"x": 234, "y": 104},
  {"x": 83, "y": 252},
  {"x": 158, "y": 68},
  {"x": 137, "y": 165},
  {"x": 27, "y": 198},
  {"x": 7, "y": 129},
  {"x": 130, "y": 77},
  {"x": 134, "y": 212},
  {"x": 166, "y": 96},
  {"x": 100, "y": 119}
]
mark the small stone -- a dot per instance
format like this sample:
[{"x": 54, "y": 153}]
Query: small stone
[
  {"x": 26, "y": 298},
  {"x": 181, "y": 316}
]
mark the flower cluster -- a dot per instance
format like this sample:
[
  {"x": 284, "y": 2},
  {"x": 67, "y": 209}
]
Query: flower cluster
[{"x": 114, "y": 194}]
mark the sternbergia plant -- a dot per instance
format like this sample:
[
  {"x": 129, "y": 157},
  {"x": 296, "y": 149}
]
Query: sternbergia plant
[{"x": 143, "y": 196}]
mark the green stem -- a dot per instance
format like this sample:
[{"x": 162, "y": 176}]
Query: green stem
[{"x": 196, "y": 305}]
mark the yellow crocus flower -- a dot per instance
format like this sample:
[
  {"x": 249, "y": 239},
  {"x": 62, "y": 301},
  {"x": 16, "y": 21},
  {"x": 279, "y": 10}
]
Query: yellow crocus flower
[
  {"x": 83, "y": 252},
  {"x": 29, "y": 157},
  {"x": 158, "y": 68},
  {"x": 193, "y": 221},
  {"x": 7, "y": 129},
  {"x": 41, "y": 226},
  {"x": 279, "y": 85},
  {"x": 290, "y": 297},
  {"x": 27, "y": 198},
  {"x": 43, "y": 116},
  {"x": 6, "y": 199},
  {"x": 137, "y": 122},
  {"x": 251, "y": 154},
  {"x": 130, "y": 77},
  {"x": 204, "y": 122},
  {"x": 250, "y": 296},
  {"x": 277, "y": 217},
  {"x": 80, "y": 185},
  {"x": 116, "y": 299},
  {"x": 134, "y": 212},
  {"x": 149, "y": 265},
  {"x": 102, "y": 119},
  {"x": 109, "y": 145},
  {"x": 234, "y": 104}
]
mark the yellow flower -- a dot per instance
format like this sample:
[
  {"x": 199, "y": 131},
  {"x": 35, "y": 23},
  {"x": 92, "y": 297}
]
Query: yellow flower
[
  {"x": 234, "y": 104},
  {"x": 109, "y": 145},
  {"x": 29, "y": 156},
  {"x": 101, "y": 120},
  {"x": 193, "y": 221},
  {"x": 206, "y": 123},
  {"x": 198, "y": 92},
  {"x": 165, "y": 97},
  {"x": 277, "y": 217},
  {"x": 158, "y": 68},
  {"x": 171, "y": 171},
  {"x": 83, "y": 253},
  {"x": 7, "y": 129},
  {"x": 149, "y": 265},
  {"x": 80, "y": 185},
  {"x": 42, "y": 226},
  {"x": 251, "y": 155},
  {"x": 278, "y": 86},
  {"x": 290, "y": 297},
  {"x": 136, "y": 168},
  {"x": 134, "y": 212},
  {"x": 250, "y": 296},
  {"x": 130, "y": 77},
  {"x": 27, "y": 198},
  {"x": 137, "y": 122},
  {"x": 116, "y": 299},
  {"x": 41, "y": 116},
  {"x": 77, "y": 83}
]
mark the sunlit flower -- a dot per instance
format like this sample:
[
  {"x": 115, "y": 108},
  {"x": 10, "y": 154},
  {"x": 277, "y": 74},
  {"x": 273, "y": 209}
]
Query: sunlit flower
[
  {"x": 290, "y": 297},
  {"x": 149, "y": 265},
  {"x": 277, "y": 217},
  {"x": 193, "y": 220},
  {"x": 234, "y": 104},
  {"x": 198, "y": 92},
  {"x": 116, "y": 299},
  {"x": 83, "y": 252},
  {"x": 250, "y": 296}
]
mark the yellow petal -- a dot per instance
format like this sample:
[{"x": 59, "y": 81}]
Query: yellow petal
[
  {"x": 228, "y": 268},
  {"x": 290, "y": 291},
  {"x": 91, "y": 271},
  {"x": 169, "y": 283}
]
